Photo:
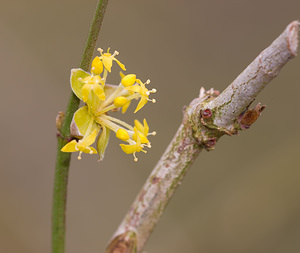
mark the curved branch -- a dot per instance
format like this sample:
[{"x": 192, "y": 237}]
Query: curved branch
[{"x": 205, "y": 120}]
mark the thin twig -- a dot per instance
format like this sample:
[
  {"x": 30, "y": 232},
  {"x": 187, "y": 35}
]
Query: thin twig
[
  {"x": 205, "y": 120},
  {"x": 63, "y": 159}
]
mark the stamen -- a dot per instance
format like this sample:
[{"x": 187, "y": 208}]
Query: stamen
[
  {"x": 134, "y": 96},
  {"x": 148, "y": 81},
  {"x": 152, "y": 100},
  {"x": 79, "y": 156},
  {"x": 100, "y": 50},
  {"x": 106, "y": 109},
  {"x": 153, "y": 133},
  {"x": 108, "y": 122},
  {"x": 135, "y": 158},
  {"x": 153, "y": 90}
]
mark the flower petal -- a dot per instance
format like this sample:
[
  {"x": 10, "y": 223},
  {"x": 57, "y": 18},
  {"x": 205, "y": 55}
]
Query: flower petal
[
  {"x": 85, "y": 91},
  {"x": 141, "y": 104},
  {"x": 89, "y": 150},
  {"x": 130, "y": 149},
  {"x": 139, "y": 126},
  {"x": 102, "y": 142},
  {"x": 76, "y": 84},
  {"x": 146, "y": 127},
  {"x": 98, "y": 89},
  {"x": 82, "y": 119},
  {"x": 125, "y": 107},
  {"x": 81, "y": 122},
  {"x": 122, "y": 66},
  {"x": 70, "y": 147},
  {"x": 89, "y": 140},
  {"x": 135, "y": 88},
  {"x": 141, "y": 136},
  {"x": 107, "y": 62}
]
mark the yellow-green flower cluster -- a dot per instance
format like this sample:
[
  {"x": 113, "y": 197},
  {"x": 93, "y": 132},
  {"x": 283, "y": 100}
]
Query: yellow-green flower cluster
[{"x": 100, "y": 98}]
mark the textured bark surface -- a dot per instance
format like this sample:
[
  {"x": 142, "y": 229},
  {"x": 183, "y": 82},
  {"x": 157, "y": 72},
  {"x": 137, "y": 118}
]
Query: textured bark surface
[
  {"x": 205, "y": 120},
  {"x": 244, "y": 89}
]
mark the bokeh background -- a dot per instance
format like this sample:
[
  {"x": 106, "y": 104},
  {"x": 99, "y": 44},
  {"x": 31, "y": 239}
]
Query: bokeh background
[{"x": 244, "y": 197}]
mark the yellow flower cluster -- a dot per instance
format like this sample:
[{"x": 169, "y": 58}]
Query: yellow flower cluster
[{"x": 101, "y": 98}]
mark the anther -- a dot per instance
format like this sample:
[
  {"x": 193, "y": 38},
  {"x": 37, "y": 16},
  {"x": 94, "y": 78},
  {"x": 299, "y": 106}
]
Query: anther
[{"x": 148, "y": 81}]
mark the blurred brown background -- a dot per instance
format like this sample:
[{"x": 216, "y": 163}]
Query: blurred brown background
[{"x": 243, "y": 197}]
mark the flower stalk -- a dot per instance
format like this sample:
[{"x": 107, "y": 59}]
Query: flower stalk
[{"x": 63, "y": 159}]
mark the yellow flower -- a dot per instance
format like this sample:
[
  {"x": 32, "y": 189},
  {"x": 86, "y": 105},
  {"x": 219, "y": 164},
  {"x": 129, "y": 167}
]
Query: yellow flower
[
  {"x": 142, "y": 131},
  {"x": 108, "y": 58},
  {"x": 82, "y": 145},
  {"x": 133, "y": 147},
  {"x": 143, "y": 92},
  {"x": 101, "y": 99}
]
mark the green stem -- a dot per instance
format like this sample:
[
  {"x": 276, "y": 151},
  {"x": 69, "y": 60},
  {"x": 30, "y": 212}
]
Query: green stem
[{"x": 63, "y": 159}]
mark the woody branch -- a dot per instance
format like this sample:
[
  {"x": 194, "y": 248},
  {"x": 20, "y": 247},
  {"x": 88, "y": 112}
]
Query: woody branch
[{"x": 205, "y": 120}]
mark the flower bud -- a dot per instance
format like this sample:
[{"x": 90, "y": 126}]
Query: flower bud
[
  {"x": 128, "y": 80},
  {"x": 122, "y": 134},
  {"x": 120, "y": 101},
  {"x": 97, "y": 66}
]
